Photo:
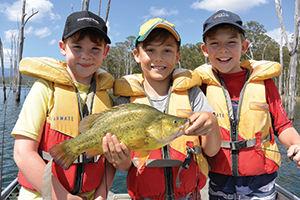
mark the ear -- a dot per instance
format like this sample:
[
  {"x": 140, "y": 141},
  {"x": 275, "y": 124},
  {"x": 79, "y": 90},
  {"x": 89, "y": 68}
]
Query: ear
[
  {"x": 204, "y": 50},
  {"x": 106, "y": 50},
  {"x": 178, "y": 57},
  {"x": 245, "y": 46},
  {"x": 62, "y": 47},
  {"x": 136, "y": 55}
]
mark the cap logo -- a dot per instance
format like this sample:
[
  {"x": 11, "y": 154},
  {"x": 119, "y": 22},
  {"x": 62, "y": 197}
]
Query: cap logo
[
  {"x": 222, "y": 15},
  {"x": 88, "y": 19}
]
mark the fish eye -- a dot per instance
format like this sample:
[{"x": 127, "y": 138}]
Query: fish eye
[{"x": 175, "y": 121}]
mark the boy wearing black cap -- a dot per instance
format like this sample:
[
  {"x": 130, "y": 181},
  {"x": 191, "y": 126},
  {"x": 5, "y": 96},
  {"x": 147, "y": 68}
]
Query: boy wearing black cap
[
  {"x": 177, "y": 170},
  {"x": 64, "y": 93},
  {"x": 249, "y": 111}
]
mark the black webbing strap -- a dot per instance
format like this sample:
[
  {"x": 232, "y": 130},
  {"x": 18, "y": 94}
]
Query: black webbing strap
[{"x": 234, "y": 122}]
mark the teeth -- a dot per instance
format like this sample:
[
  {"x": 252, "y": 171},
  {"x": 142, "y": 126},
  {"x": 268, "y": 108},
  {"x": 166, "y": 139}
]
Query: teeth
[
  {"x": 224, "y": 59},
  {"x": 158, "y": 67}
]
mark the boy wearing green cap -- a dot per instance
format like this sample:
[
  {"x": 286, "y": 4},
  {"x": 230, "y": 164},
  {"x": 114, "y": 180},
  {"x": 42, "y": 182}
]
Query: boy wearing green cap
[
  {"x": 179, "y": 169},
  {"x": 249, "y": 111}
]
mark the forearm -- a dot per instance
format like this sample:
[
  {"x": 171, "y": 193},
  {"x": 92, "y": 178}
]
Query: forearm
[
  {"x": 211, "y": 143},
  {"x": 289, "y": 137},
  {"x": 106, "y": 182}
]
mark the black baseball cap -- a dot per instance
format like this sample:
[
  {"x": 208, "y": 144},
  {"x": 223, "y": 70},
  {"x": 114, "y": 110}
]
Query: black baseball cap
[
  {"x": 84, "y": 19},
  {"x": 222, "y": 17}
]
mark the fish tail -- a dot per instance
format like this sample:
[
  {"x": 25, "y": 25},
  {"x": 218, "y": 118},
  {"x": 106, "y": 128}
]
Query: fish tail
[{"x": 62, "y": 155}]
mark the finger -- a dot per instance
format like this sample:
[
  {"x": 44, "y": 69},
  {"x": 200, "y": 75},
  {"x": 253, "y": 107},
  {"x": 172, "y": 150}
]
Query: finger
[
  {"x": 125, "y": 149},
  {"x": 106, "y": 149},
  {"x": 117, "y": 146}
]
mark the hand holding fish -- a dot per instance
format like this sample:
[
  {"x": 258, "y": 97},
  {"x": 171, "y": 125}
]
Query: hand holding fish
[
  {"x": 205, "y": 124},
  {"x": 116, "y": 153}
]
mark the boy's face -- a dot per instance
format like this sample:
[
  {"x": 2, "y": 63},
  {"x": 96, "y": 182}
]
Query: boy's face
[
  {"x": 158, "y": 59},
  {"x": 83, "y": 58},
  {"x": 224, "y": 49}
]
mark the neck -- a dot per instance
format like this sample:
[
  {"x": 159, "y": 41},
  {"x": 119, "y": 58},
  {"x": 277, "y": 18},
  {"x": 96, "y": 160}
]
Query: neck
[{"x": 157, "y": 88}]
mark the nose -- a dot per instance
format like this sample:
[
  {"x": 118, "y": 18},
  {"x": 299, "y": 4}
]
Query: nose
[
  {"x": 223, "y": 49},
  {"x": 85, "y": 54},
  {"x": 158, "y": 57}
]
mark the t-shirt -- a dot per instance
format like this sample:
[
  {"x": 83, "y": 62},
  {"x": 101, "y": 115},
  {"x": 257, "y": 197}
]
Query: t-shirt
[
  {"x": 197, "y": 99},
  {"x": 36, "y": 106}
]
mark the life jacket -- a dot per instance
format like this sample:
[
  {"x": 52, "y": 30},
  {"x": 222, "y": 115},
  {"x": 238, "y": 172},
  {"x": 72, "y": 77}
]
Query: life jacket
[
  {"x": 63, "y": 119},
  {"x": 248, "y": 147},
  {"x": 160, "y": 175}
]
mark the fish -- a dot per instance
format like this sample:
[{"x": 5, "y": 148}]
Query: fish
[{"x": 140, "y": 127}]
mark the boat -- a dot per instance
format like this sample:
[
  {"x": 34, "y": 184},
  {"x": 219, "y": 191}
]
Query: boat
[{"x": 12, "y": 190}]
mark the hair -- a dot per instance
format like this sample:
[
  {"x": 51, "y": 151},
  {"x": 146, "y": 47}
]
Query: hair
[
  {"x": 92, "y": 33},
  {"x": 214, "y": 29},
  {"x": 158, "y": 34}
]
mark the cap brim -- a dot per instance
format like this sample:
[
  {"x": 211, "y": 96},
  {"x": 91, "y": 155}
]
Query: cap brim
[{"x": 159, "y": 25}]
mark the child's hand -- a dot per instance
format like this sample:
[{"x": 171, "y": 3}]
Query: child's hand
[
  {"x": 294, "y": 154},
  {"x": 116, "y": 153},
  {"x": 203, "y": 123}
]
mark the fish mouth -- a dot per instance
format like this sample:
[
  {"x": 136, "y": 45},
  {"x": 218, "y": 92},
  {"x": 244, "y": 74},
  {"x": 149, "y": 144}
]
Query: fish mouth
[{"x": 181, "y": 131}]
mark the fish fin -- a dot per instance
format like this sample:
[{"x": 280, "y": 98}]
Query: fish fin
[
  {"x": 86, "y": 122},
  {"x": 140, "y": 159},
  {"x": 184, "y": 112},
  {"x": 62, "y": 155},
  {"x": 92, "y": 153}
]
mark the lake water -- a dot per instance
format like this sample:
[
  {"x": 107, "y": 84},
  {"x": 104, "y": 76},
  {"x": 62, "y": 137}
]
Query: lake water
[{"x": 289, "y": 175}]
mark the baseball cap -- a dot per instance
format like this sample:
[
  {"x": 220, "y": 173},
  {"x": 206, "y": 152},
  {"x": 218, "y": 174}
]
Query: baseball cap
[
  {"x": 84, "y": 19},
  {"x": 151, "y": 24},
  {"x": 222, "y": 17}
]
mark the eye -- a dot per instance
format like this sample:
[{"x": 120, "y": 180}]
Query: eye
[{"x": 175, "y": 121}]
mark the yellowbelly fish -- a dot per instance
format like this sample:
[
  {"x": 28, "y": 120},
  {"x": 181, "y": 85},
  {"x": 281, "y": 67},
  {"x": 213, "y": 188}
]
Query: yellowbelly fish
[{"x": 140, "y": 127}]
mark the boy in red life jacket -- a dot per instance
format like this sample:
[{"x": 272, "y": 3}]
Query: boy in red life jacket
[
  {"x": 54, "y": 108},
  {"x": 249, "y": 111},
  {"x": 169, "y": 90}
]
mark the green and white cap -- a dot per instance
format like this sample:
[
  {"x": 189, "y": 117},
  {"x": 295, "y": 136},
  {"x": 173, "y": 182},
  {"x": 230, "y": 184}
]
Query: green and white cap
[{"x": 151, "y": 24}]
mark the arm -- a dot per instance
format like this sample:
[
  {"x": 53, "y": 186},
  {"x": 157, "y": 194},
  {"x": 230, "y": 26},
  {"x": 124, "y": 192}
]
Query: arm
[
  {"x": 28, "y": 131},
  {"x": 291, "y": 139},
  {"x": 286, "y": 133},
  {"x": 106, "y": 182},
  {"x": 32, "y": 166},
  {"x": 205, "y": 124}
]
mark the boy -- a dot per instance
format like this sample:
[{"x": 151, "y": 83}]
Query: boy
[
  {"x": 166, "y": 175},
  {"x": 59, "y": 99},
  {"x": 249, "y": 111}
]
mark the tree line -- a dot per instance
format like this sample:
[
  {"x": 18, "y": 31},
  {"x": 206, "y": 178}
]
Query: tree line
[{"x": 120, "y": 60}]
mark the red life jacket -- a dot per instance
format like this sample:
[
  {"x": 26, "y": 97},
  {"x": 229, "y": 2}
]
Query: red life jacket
[
  {"x": 248, "y": 147},
  {"x": 158, "y": 182}
]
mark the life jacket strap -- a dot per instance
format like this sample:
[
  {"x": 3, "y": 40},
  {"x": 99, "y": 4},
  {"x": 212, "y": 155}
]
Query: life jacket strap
[
  {"x": 186, "y": 163},
  {"x": 238, "y": 145},
  {"x": 80, "y": 159}
]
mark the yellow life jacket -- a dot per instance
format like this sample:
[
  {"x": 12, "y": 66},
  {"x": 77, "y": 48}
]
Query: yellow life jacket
[
  {"x": 246, "y": 138},
  {"x": 183, "y": 80},
  {"x": 64, "y": 116}
]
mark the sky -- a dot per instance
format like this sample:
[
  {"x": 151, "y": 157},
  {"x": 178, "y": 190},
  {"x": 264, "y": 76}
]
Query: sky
[{"x": 44, "y": 30}]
